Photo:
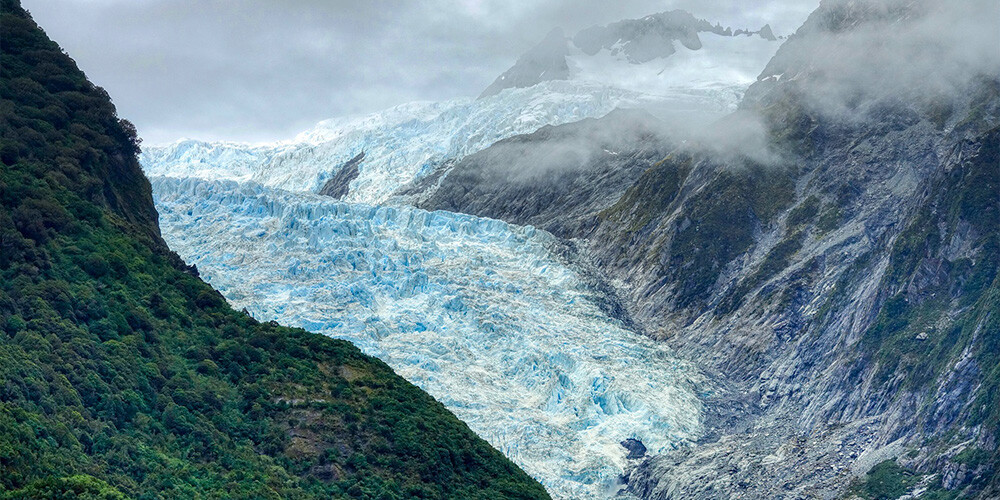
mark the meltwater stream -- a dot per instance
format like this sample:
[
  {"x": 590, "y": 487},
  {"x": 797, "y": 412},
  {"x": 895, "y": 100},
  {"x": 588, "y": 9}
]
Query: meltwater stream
[{"x": 479, "y": 313}]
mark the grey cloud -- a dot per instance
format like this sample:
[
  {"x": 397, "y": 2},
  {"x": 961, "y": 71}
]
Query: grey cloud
[
  {"x": 263, "y": 70},
  {"x": 919, "y": 51},
  {"x": 740, "y": 136}
]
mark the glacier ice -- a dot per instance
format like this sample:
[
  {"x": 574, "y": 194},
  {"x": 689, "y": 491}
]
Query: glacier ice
[
  {"x": 407, "y": 142},
  {"x": 481, "y": 314},
  {"x": 400, "y": 144}
]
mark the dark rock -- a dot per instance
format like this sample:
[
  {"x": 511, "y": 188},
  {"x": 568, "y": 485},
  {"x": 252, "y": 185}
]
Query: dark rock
[
  {"x": 327, "y": 473},
  {"x": 651, "y": 37},
  {"x": 635, "y": 448},
  {"x": 338, "y": 186},
  {"x": 766, "y": 33}
]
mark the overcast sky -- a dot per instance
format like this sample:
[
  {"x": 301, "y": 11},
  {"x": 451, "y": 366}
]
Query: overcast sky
[{"x": 260, "y": 70}]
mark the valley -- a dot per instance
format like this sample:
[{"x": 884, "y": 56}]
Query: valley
[
  {"x": 655, "y": 259},
  {"x": 491, "y": 319}
]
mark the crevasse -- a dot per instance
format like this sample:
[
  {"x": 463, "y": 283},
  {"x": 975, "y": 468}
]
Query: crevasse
[{"x": 479, "y": 313}]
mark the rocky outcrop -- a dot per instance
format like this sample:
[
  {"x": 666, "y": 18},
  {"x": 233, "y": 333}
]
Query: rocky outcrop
[
  {"x": 766, "y": 33},
  {"x": 648, "y": 38},
  {"x": 339, "y": 185},
  {"x": 635, "y": 448}
]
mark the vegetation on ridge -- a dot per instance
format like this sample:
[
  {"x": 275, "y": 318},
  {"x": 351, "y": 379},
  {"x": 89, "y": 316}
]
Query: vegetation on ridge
[{"x": 123, "y": 375}]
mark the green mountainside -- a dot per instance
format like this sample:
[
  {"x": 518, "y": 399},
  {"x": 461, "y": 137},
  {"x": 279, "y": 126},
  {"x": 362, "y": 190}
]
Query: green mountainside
[{"x": 123, "y": 375}]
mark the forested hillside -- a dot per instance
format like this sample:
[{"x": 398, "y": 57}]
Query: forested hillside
[{"x": 123, "y": 375}]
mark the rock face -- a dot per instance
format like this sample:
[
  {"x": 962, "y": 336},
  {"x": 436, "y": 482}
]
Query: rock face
[
  {"x": 645, "y": 39},
  {"x": 766, "y": 33},
  {"x": 846, "y": 290},
  {"x": 338, "y": 185},
  {"x": 837, "y": 275}
]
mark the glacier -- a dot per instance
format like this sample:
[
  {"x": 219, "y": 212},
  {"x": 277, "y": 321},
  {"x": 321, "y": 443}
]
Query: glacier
[
  {"x": 494, "y": 320},
  {"x": 408, "y": 142},
  {"x": 401, "y": 144},
  {"x": 489, "y": 318}
]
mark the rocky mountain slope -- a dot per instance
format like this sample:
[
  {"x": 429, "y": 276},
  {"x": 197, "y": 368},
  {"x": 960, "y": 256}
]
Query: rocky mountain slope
[
  {"x": 830, "y": 256},
  {"x": 123, "y": 375},
  {"x": 558, "y": 178}
]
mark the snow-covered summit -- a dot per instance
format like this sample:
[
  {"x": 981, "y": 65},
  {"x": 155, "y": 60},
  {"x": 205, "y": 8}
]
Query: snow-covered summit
[{"x": 651, "y": 41}]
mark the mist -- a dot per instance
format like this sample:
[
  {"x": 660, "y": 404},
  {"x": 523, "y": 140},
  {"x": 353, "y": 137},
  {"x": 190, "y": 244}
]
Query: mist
[
  {"x": 921, "y": 51},
  {"x": 852, "y": 58},
  {"x": 575, "y": 147}
]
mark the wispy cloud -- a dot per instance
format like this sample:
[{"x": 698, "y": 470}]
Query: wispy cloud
[
  {"x": 908, "y": 50},
  {"x": 259, "y": 70}
]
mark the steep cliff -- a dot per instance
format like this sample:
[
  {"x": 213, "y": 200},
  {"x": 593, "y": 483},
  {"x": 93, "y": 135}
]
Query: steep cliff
[{"x": 122, "y": 374}]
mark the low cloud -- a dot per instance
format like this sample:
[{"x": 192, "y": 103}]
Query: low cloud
[
  {"x": 262, "y": 70},
  {"x": 575, "y": 147},
  {"x": 921, "y": 51},
  {"x": 737, "y": 138}
]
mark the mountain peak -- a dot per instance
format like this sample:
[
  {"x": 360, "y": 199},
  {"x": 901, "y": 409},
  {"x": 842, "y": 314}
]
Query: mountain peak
[
  {"x": 766, "y": 33},
  {"x": 633, "y": 41},
  {"x": 545, "y": 61},
  {"x": 645, "y": 39}
]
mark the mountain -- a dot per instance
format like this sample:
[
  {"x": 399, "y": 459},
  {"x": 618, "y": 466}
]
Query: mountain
[
  {"x": 643, "y": 55},
  {"x": 406, "y": 144},
  {"x": 426, "y": 298},
  {"x": 828, "y": 254},
  {"x": 123, "y": 375},
  {"x": 545, "y": 61}
]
